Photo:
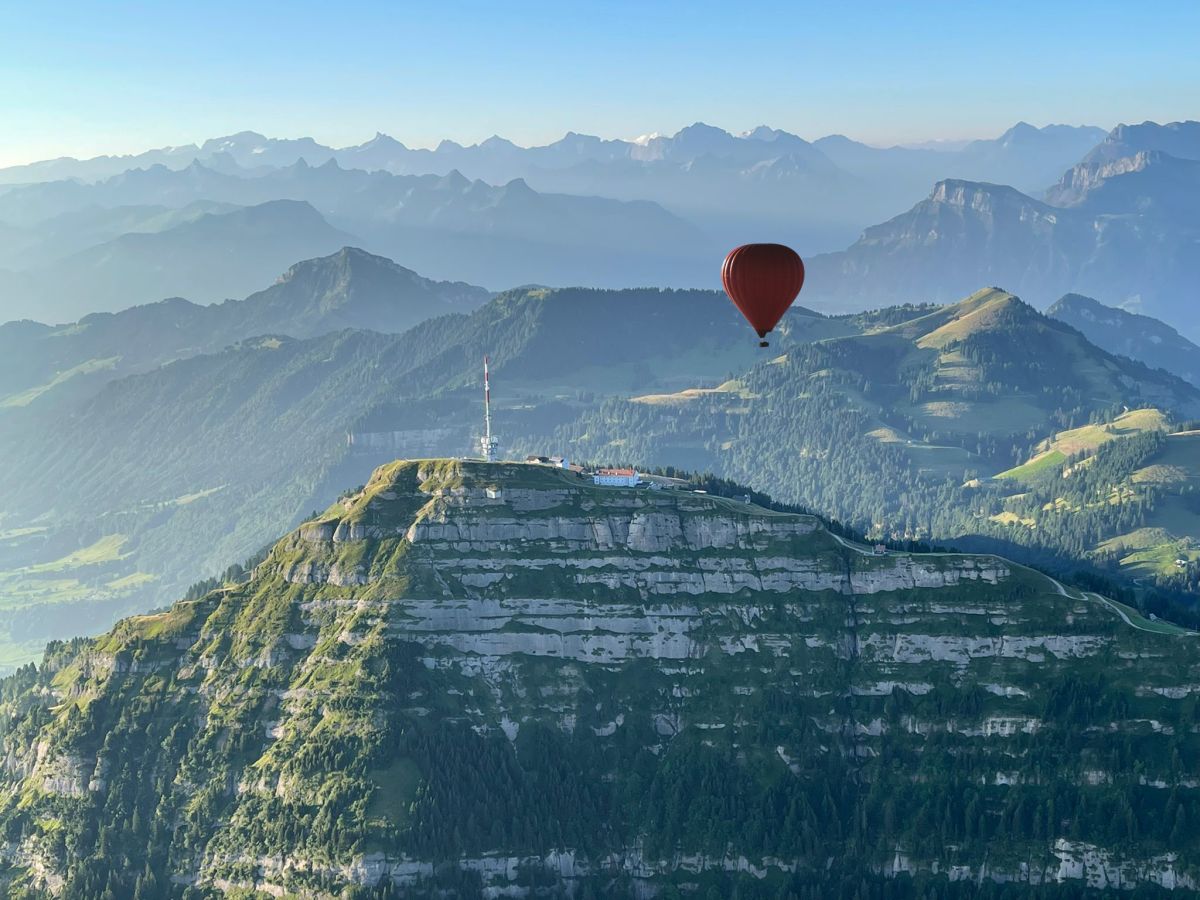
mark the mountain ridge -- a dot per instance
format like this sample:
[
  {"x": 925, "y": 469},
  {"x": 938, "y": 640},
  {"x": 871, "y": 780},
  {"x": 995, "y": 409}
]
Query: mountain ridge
[
  {"x": 816, "y": 196},
  {"x": 1126, "y": 240},
  {"x": 347, "y": 289},
  {"x": 902, "y": 430},
  {"x": 249, "y": 148},
  {"x": 214, "y": 255},
  {"x": 602, "y": 660},
  {"x": 667, "y": 377},
  {"x": 352, "y": 289},
  {"x": 449, "y": 228},
  {"x": 277, "y": 415},
  {"x": 1139, "y": 337}
]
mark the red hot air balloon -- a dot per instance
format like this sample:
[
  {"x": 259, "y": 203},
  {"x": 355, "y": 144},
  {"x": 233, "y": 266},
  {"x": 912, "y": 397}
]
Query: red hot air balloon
[{"x": 763, "y": 280}]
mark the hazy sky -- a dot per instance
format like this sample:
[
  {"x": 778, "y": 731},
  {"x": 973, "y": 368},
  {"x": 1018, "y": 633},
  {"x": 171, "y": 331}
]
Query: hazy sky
[{"x": 80, "y": 77}]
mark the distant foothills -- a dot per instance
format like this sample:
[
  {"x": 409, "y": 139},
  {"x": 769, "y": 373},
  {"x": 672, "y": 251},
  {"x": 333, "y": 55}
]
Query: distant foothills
[
  {"x": 1041, "y": 211},
  {"x": 1067, "y": 440}
]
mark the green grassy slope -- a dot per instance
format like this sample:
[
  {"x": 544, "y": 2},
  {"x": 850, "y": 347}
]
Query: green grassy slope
[{"x": 1161, "y": 482}]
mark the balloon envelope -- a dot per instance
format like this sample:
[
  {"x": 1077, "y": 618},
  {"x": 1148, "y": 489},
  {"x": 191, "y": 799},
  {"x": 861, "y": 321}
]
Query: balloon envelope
[{"x": 763, "y": 280}]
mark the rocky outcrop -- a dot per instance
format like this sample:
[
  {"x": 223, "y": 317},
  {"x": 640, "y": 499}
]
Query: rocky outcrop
[
  {"x": 1075, "y": 185},
  {"x": 458, "y": 621}
]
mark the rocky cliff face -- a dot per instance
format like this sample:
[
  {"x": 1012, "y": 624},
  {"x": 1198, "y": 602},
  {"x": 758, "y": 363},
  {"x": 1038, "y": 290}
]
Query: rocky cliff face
[
  {"x": 500, "y": 678},
  {"x": 963, "y": 235},
  {"x": 1122, "y": 229},
  {"x": 1085, "y": 177}
]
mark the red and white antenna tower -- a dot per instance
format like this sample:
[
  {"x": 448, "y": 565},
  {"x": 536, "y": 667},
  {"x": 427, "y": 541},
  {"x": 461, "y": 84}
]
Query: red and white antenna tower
[{"x": 487, "y": 444}]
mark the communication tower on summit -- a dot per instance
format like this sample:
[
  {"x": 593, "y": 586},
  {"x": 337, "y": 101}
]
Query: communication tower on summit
[{"x": 487, "y": 444}]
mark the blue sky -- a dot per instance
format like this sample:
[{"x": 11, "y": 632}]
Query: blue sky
[{"x": 79, "y": 77}]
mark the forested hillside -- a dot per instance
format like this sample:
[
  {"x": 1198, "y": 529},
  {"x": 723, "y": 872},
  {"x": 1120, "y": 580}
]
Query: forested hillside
[
  {"x": 46, "y": 365},
  {"x": 475, "y": 678},
  {"x": 894, "y": 421},
  {"x": 902, "y": 430},
  {"x": 196, "y": 463}
]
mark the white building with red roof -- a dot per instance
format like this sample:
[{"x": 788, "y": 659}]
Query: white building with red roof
[{"x": 616, "y": 477}]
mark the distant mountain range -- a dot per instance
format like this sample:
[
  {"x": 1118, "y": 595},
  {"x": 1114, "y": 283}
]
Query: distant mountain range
[
  {"x": 1179, "y": 139},
  {"x": 1143, "y": 338},
  {"x": 210, "y": 257},
  {"x": 36, "y": 244},
  {"x": 1137, "y": 167},
  {"x": 1125, "y": 231},
  {"x": 766, "y": 184},
  {"x": 1039, "y": 211},
  {"x": 40, "y": 364},
  {"x": 1029, "y": 157},
  {"x": 448, "y": 226}
]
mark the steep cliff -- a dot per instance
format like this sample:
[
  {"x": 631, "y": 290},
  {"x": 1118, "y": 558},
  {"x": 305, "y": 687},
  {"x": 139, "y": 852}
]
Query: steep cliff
[{"x": 500, "y": 678}]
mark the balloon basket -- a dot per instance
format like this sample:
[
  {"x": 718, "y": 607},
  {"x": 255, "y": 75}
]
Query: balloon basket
[{"x": 763, "y": 344}]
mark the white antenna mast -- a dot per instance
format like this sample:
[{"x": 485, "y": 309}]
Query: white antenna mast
[{"x": 487, "y": 444}]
